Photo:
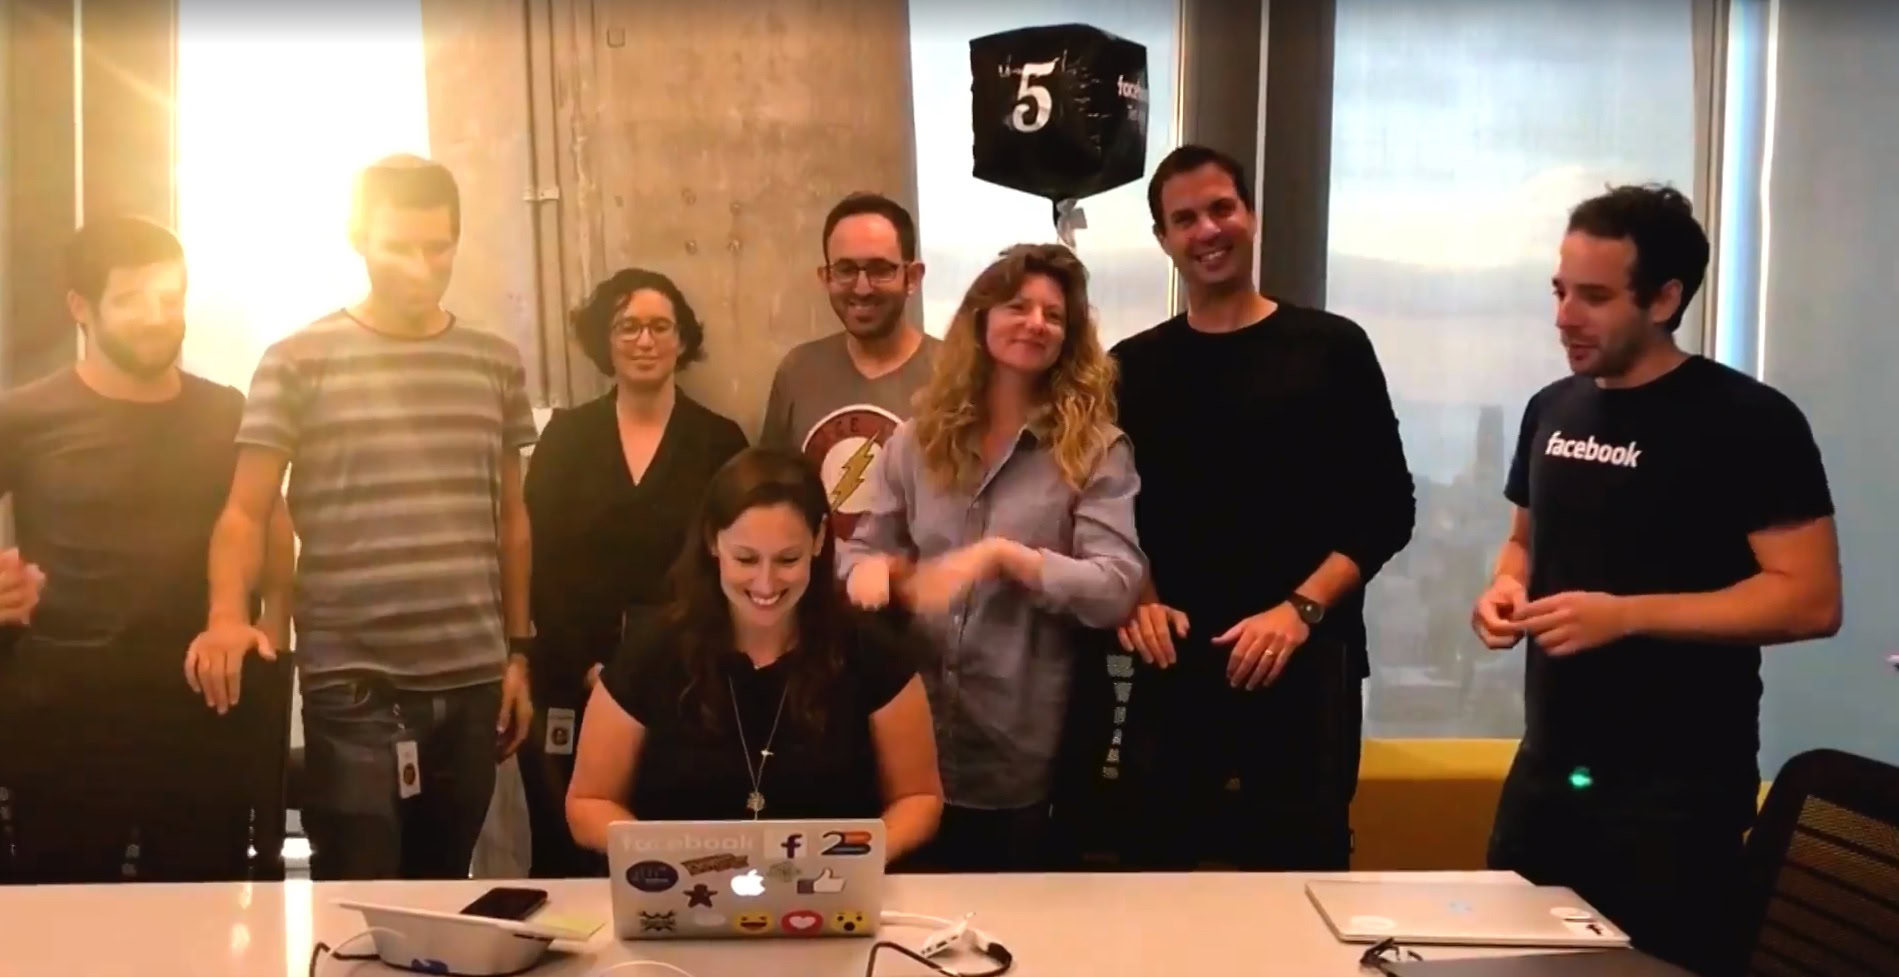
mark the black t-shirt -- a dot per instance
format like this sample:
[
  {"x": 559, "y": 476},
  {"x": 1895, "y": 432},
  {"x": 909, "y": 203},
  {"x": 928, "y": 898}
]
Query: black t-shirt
[
  {"x": 115, "y": 501},
  {"x": 603, "y": 544},
  {"x": 689, "y": 771},
  {"x": 1261, "y": 452},
  {"x": 1654, "y": 489}
]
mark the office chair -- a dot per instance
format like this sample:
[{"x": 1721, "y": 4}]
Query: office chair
[
  {"x": 267, "y": 695},
  {"x": 1823, "y": 871}
]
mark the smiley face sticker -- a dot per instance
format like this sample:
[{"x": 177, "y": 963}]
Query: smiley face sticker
[
  {"x": 802, "y": 922},
  {"x": 849, "y": 922},
  {"x": 752, "y": 924}
]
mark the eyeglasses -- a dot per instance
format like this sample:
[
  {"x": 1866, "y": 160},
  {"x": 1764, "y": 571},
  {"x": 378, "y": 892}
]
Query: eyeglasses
[
  {"x": 843, "y": 274},
  {"x": 628, "y": 330}
]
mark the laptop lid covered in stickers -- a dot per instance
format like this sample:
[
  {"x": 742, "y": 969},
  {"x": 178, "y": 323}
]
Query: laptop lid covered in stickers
[{"x": 745, "y": 879}]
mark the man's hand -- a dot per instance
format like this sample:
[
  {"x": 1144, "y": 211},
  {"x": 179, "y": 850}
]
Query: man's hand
[
  {"x": 1566, "y": 623},
  {"x": 1262, "y": 644},
  {"x": 20, "y": 587},
  {"x": 1150, "y": 632},
  {"x": 937, "y": 583},
  {"x": 1494, "y": 617},
  {"x": 214, "y": 664},
  {"x": 517, "y": 708}
]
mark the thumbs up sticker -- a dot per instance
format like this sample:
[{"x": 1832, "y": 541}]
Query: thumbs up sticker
[{"x": 825, "y": 884}]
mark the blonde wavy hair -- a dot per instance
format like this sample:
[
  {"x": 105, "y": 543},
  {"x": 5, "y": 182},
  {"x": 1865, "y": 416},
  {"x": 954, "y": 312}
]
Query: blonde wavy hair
[{"x": 1077, "y": 392}]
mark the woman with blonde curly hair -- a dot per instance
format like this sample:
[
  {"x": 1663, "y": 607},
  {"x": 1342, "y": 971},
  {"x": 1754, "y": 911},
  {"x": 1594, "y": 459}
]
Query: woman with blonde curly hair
[{"x": 1002, "y": 514}]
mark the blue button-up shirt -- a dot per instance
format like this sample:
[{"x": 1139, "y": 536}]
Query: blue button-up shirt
[{"x": 999, "y": 693}]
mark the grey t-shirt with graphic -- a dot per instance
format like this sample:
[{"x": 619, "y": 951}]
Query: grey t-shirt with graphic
[{"x": 821, "y": 405}]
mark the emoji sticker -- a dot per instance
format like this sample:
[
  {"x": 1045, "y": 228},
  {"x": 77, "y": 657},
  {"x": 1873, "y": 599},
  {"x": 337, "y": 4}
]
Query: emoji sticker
[
  {"x": 708, "y": 920},
  {"x": 665, "y": 922},
  {"x": 699, "y": 895},
  {"x": 754, "y": 923},
  {"x": 827, "y": 883},
  {"x": 803, "y": 922},
  {"x": 784, "y": 871},
  {"x": 714, "y": 863},
  {"x": 849, "y": 921},
  {"x": 652, "y": 876}
]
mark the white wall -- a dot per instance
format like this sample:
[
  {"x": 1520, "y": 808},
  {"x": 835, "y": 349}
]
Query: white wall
[{"x": 1831, "y": 342}]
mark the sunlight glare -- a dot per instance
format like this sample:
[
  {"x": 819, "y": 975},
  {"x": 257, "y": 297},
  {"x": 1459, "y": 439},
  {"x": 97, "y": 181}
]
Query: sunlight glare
[{"x": 275, "y": 117}]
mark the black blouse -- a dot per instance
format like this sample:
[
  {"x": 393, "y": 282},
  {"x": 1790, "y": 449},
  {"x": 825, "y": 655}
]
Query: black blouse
[
  {"x": 691, "y": 772},
  {"x": 603, "y": 544}
]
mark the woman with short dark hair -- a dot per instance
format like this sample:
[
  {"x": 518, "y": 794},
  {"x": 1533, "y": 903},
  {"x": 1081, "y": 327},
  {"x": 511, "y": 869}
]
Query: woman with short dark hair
[{"x": 610, "y": 491}]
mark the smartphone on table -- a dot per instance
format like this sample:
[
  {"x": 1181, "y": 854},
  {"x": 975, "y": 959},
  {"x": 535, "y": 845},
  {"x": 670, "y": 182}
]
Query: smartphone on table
[{"x": 507, "y": 903}]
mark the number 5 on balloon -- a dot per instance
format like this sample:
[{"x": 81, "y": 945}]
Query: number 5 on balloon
[{"x": 1033, "y": 98}]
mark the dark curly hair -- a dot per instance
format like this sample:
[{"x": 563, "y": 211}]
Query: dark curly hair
[
  {"x": 593, "y": 322},
  {"x": 1660, "y": 223}
]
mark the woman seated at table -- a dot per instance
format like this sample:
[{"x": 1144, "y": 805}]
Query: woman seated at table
[
  {"x": 758, "y": 692},
  {"x": 1016, "y": 492}
]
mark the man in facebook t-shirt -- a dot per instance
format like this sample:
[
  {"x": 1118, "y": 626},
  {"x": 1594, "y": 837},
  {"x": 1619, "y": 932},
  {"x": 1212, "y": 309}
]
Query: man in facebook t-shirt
[{"x": 838, "y": 399}]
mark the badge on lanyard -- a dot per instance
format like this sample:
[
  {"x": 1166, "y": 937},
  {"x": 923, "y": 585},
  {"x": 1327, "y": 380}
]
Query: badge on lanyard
[
  {"x": 560, "y": 732},
  {"x": 408, "y": 770}
]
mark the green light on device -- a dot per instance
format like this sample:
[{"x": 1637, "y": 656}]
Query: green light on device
[{"x": 1581, "y": 779}]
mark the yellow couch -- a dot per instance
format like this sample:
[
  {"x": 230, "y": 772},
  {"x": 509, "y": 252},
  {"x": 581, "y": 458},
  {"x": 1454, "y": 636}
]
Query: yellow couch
[{"x": 1428, "y": 803}]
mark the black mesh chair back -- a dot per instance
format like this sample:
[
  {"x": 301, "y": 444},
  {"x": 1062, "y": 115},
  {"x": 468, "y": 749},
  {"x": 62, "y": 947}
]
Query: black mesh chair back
[{"x": 1823, "y": 864}]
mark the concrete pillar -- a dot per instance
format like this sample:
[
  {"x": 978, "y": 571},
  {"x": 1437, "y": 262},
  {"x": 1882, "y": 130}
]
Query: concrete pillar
[
  {"x": 477, "y": 54},
  {"x": 42, "y": 189},
  {"x": 83, "y": 142},
  {"x": 129, "y": 89},
  {"x": 709, "y": 138}
]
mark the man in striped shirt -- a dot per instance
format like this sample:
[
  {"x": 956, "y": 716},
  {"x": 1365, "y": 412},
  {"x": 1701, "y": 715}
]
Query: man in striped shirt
[{"x": 402, "y": 430}]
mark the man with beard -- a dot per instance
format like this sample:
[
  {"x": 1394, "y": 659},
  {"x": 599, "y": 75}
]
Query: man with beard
[
  {"x": 838, "y": 399},
  {"x": 117, "y": 468},
  {"x": 1671, "y": 516},
  {"x": 1273, "y": 488},
  {"x": 402, "y": 429}
]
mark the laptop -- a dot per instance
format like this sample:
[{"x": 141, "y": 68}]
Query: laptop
[
  {"x": 1594, "y": 963},
  {"x": 1461, "y": 914},
  {"x": 745, "y": 879}
]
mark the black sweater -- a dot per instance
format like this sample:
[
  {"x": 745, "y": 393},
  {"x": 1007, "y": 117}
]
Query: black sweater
[
  {"x": 603, "y": 545},
  {"x": 1261, "y": 452}
]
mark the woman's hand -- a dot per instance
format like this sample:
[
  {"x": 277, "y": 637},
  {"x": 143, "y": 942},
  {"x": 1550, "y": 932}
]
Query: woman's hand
[
  {"x": 869, "y": 585},
  {"x": 937, "y": 583}
]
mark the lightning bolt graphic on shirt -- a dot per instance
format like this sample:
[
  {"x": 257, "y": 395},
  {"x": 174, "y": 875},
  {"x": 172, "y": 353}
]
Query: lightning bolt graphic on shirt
[{"x": 853, "y": 475}]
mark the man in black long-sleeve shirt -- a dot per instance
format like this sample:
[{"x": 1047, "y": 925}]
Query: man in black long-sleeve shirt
[{"x": 1273, "y": 487}]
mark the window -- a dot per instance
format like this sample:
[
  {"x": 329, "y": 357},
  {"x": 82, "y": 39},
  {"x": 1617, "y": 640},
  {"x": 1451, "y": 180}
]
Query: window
[
  {"x": 963, "y": 222},
  {"x": 1463, "y": 133},
  {"x": 278, "y": 108}
]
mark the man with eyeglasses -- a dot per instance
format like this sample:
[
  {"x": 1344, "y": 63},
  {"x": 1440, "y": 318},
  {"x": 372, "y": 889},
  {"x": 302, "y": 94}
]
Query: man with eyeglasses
[{"x": 838, "y": 399}]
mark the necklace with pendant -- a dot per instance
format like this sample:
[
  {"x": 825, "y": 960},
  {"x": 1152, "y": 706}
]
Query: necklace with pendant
[{"x": 755, "y": 801}]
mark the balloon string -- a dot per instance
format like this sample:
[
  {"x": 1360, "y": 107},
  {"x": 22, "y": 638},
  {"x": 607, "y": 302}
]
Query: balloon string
[{"x": 1068, "y": 219}]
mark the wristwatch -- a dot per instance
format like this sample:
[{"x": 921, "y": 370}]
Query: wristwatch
[{"x": 1310, "y": 611}]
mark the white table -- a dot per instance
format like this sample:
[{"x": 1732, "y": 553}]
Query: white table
[{"x": 1087, "y": 925}]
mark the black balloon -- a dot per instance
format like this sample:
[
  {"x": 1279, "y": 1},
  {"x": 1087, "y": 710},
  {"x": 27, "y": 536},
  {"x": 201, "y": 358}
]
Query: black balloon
[{"x": 1058, "y": 111}]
